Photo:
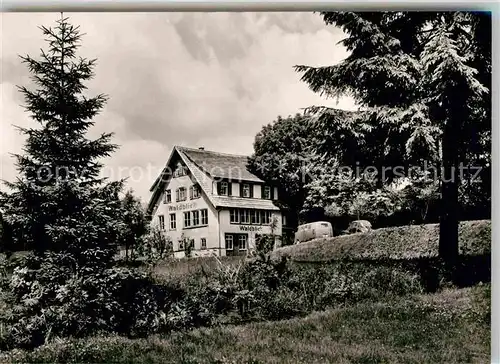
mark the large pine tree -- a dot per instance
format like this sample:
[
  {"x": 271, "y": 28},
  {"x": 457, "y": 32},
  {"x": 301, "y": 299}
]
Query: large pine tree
[
  {"x": 423, "y": 77},
  {"x": 59, "y": 203}
]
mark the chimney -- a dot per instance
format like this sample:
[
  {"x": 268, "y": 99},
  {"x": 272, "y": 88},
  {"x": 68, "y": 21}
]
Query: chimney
[{"x": 201, "y": 148}]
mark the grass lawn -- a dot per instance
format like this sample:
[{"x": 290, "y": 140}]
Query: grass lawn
[{"x": 451, "y": 326}]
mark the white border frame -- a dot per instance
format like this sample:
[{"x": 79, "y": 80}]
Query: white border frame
[
  {"x": 242, "y": 5},
  {"x": 495, "y": 189},
  {"x": 304, "y": 5}
]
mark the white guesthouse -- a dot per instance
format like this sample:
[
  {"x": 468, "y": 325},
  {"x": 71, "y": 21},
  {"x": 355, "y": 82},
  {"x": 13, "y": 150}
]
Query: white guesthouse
[{"x": 212, "y": 201}]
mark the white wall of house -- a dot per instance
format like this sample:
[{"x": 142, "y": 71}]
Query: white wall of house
[
  {"x": 257, "y": 191},
  {"x": 235, "y": 189},
  {"x": 208, "y": 232},
  {"x": 218, "y": 220}
]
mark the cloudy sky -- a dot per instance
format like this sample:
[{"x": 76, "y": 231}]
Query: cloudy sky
[{"x": 191, "y": 79}]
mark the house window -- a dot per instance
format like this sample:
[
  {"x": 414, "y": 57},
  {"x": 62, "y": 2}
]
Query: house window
[
  {"x": 192, "y": 218},
  {"x": 204, "y": 217},
  {"x": 242, "y": 242},
  {"x": 187, "y": 219},
  {"x": 283, "y": 220},
  {"x": 265, "y": 217},
  {"x": 173, "y": 223},
  {"x": 223, "y": 189},
  {"x": 181, "y": 194},
  {"x": 245, "y": 190},
  {"x": 167, "y": 198},
  {"x": 180, "y": 171},
  {"x": 266, "y": 192},
  {"x": 161, "y": 219},
  {"x": 203, "y": 243},
  {"x": 196, "y": 218},
  {"x": 254, "y": 217},
  {"x": 244, "y": 217},
  {"x": 194, "y": 192},
  {"x": 191, "y": 243},
  {"x": 229, "y": 242},
  {"x": 234, "y": 216}
]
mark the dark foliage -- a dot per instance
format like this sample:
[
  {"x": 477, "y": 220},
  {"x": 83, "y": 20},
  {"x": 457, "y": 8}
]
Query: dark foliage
[{"x": 425, "y": 79}]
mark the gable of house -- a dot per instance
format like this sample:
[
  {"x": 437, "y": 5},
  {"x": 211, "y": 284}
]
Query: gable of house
[{"x": 205, "y": 168}]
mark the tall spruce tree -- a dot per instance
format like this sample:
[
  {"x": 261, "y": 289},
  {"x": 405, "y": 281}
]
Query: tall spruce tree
[
  {"x": 59, "y": 203},
  {"x": 427, "y": 74}
]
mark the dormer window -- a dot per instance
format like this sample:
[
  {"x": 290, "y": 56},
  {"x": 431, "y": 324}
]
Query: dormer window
[
  {"x": 246, "y": 190},
  {"x": 266, "y": 192},
  {"x": 180, "y": 171},
  {"x": 194, "y": 192},
  {"x": 223, "y": 188}
]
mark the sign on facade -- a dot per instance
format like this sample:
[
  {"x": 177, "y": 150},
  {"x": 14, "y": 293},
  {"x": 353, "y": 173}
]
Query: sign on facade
[
  {"x": 250, "y": 228},
  {"x": 182, "y": 206}
]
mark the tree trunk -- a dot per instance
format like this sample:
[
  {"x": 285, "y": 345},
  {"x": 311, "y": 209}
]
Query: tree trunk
[{"x": 448, "y": 227}]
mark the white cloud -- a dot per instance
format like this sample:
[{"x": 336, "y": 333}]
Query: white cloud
[{"x": 211, "y": 79}]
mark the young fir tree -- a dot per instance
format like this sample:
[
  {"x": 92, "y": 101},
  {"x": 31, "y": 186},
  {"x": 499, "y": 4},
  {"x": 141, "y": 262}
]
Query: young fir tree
[
  {"x": 424, "y": 79},
  {"x": 136, "y": 224},
  {"x": 59, "y": 203}
]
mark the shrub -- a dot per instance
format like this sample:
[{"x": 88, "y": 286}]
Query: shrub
[
  {"x": 129, "y": 302},
  {"x": 264, "y": 244},
  {"x": 48, "y": 299},
  {"x": 154, "y": 246},
  {"x": 377, "y": 282},
  {"x": 339, "y": 288},
  {"x": 281, "y": 304},
  {"x": 188, "y": 246},
  {"x": 204, "y": 301},
  {"x": 333, "y": 284},
  {"x": 264, "y": 292}
]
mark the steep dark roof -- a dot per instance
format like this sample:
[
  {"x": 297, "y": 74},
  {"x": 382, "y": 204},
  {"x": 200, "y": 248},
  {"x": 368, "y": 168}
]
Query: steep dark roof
[{"x": 221, "y": 165}]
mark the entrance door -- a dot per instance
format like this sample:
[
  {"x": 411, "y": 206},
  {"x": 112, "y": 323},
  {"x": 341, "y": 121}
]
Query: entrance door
[{"x": 236, "y": 244}]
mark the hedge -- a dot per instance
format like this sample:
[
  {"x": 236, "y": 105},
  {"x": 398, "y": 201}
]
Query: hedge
[{"x": 395, "y": 243}]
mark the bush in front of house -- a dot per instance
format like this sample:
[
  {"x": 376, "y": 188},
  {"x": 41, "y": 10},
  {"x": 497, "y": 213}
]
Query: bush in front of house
[
  {"x": 264, "y": 244},
  {"x": 132, "y": 303},
  {"x": 153, "y": 246},
  {"x": 271, "y": 290},
  {"x": 333, "y": 284},
  {"x": 45, "y": 299}
]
